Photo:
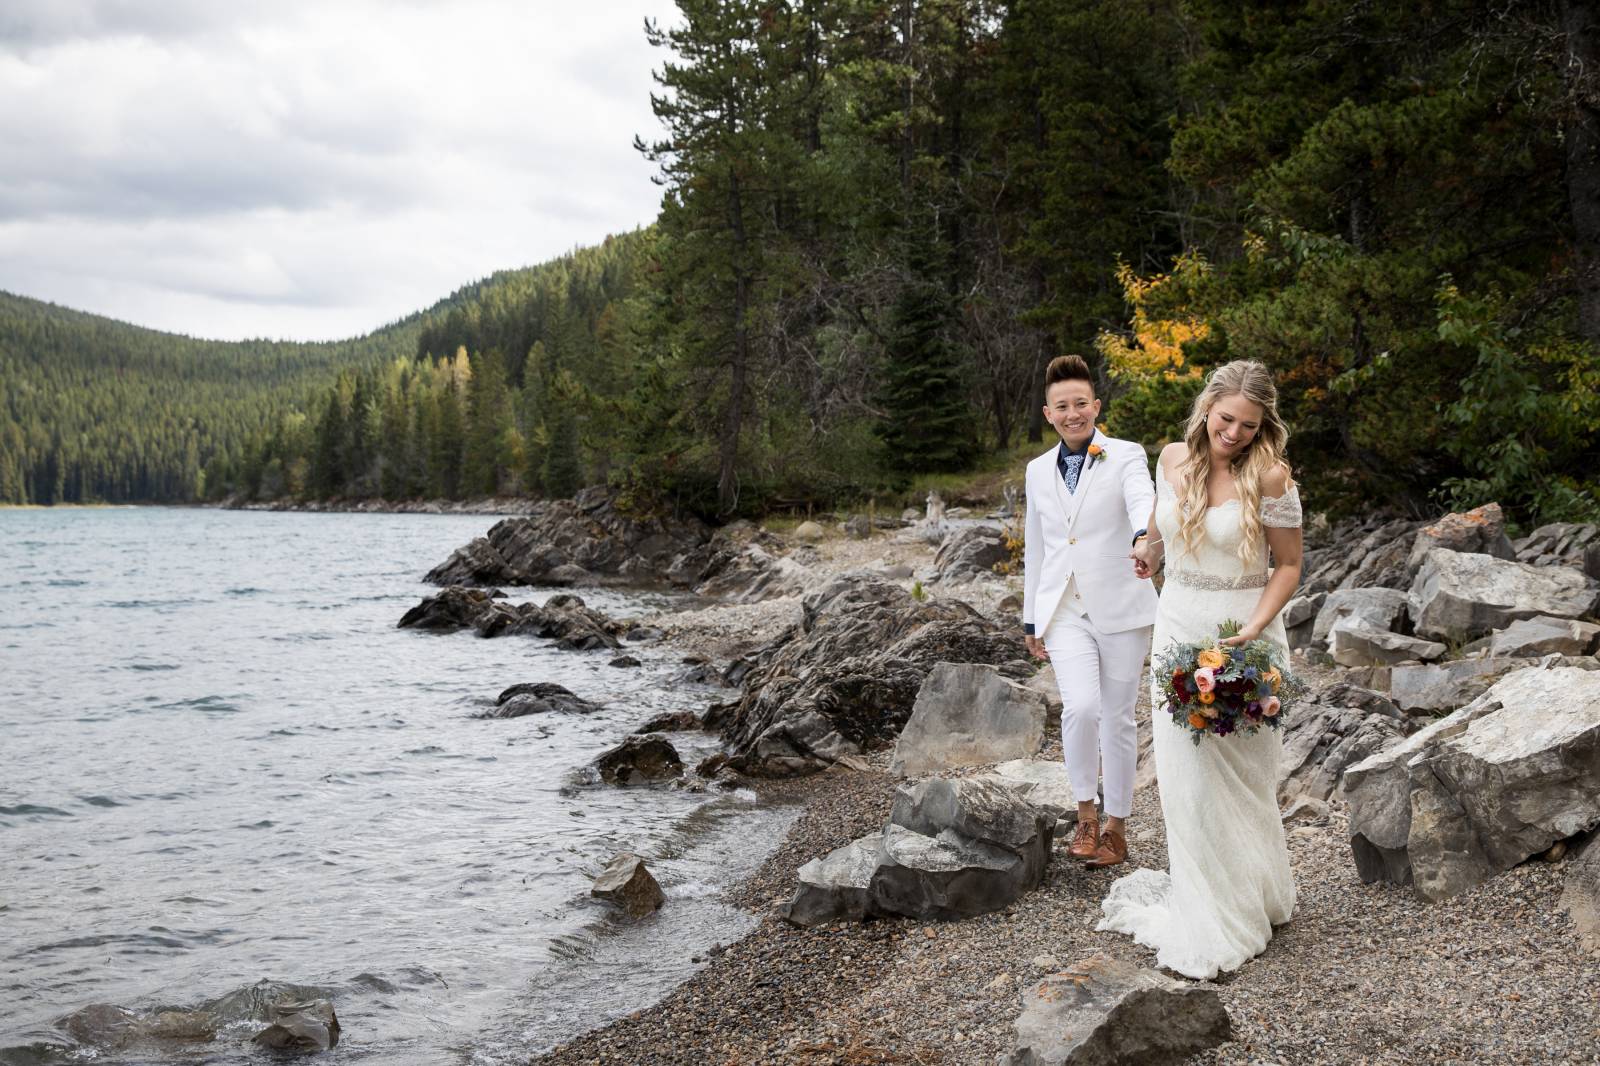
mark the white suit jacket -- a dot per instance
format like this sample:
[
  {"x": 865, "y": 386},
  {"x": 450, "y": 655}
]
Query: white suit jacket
[{"x": 1088, "y": 535}]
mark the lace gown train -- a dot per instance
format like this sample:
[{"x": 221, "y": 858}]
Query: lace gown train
[{"x": 1228, "y": 881}]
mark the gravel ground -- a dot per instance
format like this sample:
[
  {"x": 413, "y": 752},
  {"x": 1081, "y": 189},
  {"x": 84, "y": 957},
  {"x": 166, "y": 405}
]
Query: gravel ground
[{"x": 1364, "y": 973}]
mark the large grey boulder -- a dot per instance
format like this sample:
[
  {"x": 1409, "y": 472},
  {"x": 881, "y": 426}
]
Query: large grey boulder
[
  {"x": 1457, "y": 595},
  {"x": 1044, "y": 683},
  {"x": 966, "y": 714},
  {"x": 300, "y": 1025},
  {"x": 589, "y": 532},
  {"x": 1536, "y": 637},
  {"x": 1481, "y": 530},
  {"x": 1324, "y": 736},
  {"x": 971, "y": 553},
  {"x": 1353, "y": 643},
  {"x": 952, "y": 849},
  {"x": 1363, "y": 553},
  {"x": 845, "y": 679},
  {"x": 945, "y": 877},
  {"x": 1108, "y": 1012},
  {"x": 754, "y": 574},
  {"x": 1375, "y": 608},
  {"x": 627, "y": 882},
  {"x": 1475, "y": 793},
  {"x": 837, "y": 886},
  {"x": 1042, "y": 782}
]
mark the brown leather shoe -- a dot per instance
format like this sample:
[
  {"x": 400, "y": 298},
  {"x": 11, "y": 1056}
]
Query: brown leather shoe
[
  {"x": 1113, "y": 851},
  {"x": 1085, "y": 840}
]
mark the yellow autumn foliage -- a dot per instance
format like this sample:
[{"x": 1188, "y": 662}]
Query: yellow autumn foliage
[{"x": 1155, "y": 348}]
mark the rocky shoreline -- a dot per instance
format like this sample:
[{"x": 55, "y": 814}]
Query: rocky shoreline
[{"x": 1365, "y": 971}]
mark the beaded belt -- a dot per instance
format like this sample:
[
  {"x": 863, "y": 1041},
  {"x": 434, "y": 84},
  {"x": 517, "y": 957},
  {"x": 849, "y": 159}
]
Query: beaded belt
[{"x": 1193, "y": 579}]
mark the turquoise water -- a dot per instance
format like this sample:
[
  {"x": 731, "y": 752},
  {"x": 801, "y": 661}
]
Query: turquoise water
[{"x": 222, "y": 763}]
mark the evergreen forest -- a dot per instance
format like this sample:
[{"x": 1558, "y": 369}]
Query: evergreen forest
[{"x": 881, "y": 218}]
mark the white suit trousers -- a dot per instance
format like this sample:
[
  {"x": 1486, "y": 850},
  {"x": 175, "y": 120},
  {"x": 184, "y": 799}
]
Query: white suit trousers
[{"x": 1099, "y": 676}]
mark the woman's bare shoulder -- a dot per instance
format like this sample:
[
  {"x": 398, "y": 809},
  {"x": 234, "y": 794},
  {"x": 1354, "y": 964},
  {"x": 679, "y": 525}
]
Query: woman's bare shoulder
[
  {"x": 1173, "y": 454},
  {"x": 1276, "y": 481}
]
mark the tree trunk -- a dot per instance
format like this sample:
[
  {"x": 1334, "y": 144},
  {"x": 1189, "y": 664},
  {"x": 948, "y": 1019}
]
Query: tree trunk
[
  {"x": 1582, "y": 135},
  {"x": 733, "y": 416}
]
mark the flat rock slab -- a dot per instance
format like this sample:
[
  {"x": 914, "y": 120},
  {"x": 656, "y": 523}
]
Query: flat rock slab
[
  {"x": 1351, "y": 642},
  {"x": 966, "y": 714},
  {"x": 1107, "y": 1012},
  {"x": 1462, "y": 595},
  {"x": 1445, "y": 686},
  {"x": 1479, "y": 791},
  {"x": 1535, "y": 637}
]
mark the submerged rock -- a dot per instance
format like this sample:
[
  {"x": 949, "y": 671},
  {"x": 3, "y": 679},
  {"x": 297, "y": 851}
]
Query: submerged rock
[
  {"x": 641, "y": 758},
  {"x": 627, "y": 882},
  {"x": 300, "y": 1025},
  {"x": 538, "y": 697},
  {"x": 564, "y": 618}
]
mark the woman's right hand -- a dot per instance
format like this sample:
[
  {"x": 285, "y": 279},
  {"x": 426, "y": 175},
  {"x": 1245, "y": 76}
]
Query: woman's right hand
[{"x": 1035, "y": 647}]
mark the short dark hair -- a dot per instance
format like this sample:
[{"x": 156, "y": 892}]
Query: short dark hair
[{"x": 1068, "y": 368}]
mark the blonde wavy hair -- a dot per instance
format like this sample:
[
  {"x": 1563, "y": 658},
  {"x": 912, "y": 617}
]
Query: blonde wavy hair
[{"x": 1265, "y": 452}]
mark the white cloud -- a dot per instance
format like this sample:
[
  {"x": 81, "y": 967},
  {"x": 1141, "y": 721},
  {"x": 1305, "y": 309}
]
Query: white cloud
[{"x": 311, "y": 169}]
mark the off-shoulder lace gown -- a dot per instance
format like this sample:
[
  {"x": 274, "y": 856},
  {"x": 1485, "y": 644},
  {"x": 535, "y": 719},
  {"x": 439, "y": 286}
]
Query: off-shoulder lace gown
[{"x": 1228, "y": 881}]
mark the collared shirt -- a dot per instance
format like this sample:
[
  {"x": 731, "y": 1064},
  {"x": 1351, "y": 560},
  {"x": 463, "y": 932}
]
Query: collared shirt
[{"x": 1069, "y": 463}]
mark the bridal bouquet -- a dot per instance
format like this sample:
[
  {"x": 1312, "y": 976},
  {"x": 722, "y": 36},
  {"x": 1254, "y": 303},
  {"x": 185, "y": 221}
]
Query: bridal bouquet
[{"x": 1212, "y": 688}]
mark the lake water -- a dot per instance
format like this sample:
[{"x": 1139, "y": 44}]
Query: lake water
[{"x": 221, "y": 763}]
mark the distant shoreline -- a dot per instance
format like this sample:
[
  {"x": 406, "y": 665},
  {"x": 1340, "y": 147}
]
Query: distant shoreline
[
  {"x": 493, "y": 505},
  {"x": 487, "y": 505}
]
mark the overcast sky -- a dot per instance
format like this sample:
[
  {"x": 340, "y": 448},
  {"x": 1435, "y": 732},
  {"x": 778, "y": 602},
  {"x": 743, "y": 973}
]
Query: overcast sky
[{"x": 311, "y": 169}]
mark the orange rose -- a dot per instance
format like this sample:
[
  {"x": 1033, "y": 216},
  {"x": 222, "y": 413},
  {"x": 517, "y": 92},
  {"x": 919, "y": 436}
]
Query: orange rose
[
  {"x": 1198, "y": 720},
  {"x": 1096, "y": 451},
  {"x": 1213, "y": 658},
  {"x": 1207, "y": 697},
  {"x": 1273, "y": 678}
]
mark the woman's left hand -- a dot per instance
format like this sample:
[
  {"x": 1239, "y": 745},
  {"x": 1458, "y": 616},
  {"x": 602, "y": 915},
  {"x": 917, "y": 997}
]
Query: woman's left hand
[{"x": 1244, "y": 636}]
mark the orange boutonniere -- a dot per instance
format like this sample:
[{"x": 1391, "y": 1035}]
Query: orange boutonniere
[{"x": 1095, "y": 452}]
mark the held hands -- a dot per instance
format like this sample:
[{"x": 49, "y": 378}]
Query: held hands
[
  {"x": 1146, "y": 558},
  {"x": 1035, "y": 647}
]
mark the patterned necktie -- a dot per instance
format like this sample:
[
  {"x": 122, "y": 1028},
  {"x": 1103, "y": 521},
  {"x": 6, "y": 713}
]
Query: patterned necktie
[{"x": 1070, "y": 465}]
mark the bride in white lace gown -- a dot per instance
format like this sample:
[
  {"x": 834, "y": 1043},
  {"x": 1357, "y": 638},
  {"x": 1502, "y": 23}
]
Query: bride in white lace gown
[{"x": 1223, "y": 498}]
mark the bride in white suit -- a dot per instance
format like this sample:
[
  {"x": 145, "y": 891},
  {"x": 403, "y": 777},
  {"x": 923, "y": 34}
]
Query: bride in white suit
[{"x": 1082, "y": 606}]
